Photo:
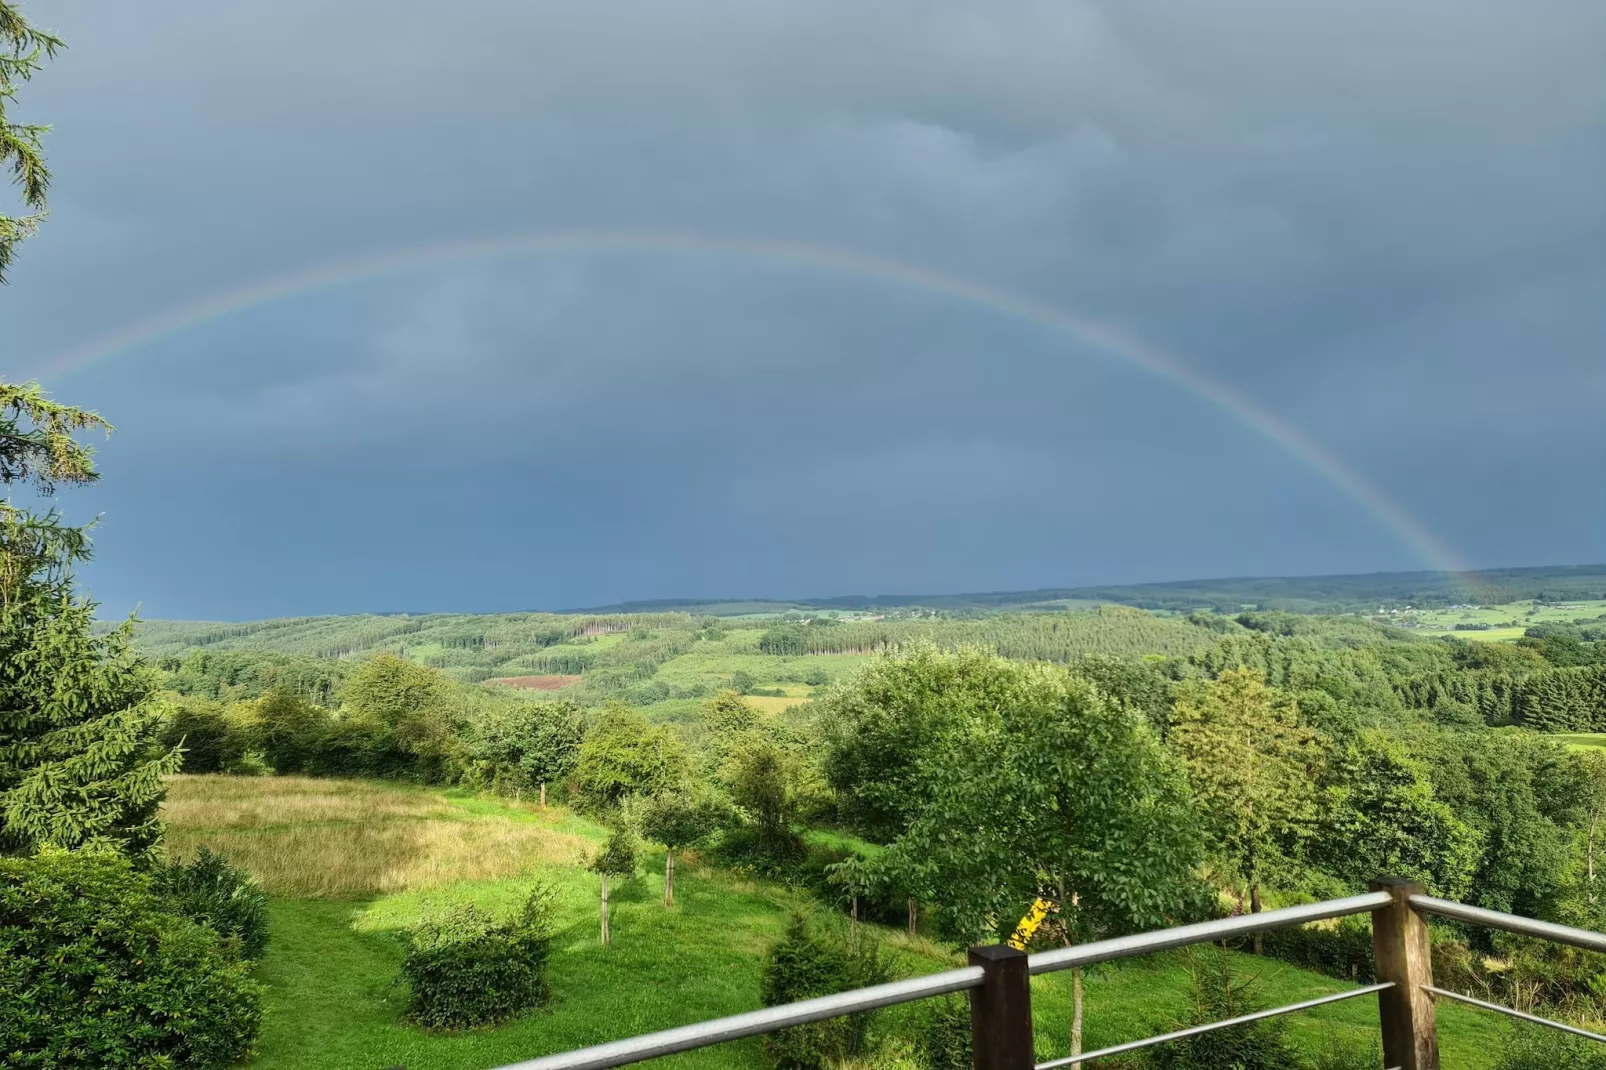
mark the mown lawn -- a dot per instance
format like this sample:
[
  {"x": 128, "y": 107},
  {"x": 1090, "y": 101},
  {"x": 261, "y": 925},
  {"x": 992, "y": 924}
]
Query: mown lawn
[{"x": 334, "y": 955}]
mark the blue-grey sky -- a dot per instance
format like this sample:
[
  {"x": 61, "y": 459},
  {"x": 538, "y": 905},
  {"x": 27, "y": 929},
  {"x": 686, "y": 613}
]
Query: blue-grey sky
[{"x": 1384, "y": 224}]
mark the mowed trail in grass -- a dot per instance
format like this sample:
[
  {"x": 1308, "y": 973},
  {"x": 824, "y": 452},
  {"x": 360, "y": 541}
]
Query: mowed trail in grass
[{"x": 338, "y": 924}]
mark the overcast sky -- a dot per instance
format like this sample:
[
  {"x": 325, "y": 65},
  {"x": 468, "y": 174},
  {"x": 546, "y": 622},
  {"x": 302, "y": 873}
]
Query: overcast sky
[{"x": 1383, "y": 223}]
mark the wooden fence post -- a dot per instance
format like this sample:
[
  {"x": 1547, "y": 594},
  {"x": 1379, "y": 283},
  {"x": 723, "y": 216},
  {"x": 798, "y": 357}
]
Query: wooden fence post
[
  {"x": 1402, "y": 955},
  {"x": 1001, "y": 1010}
]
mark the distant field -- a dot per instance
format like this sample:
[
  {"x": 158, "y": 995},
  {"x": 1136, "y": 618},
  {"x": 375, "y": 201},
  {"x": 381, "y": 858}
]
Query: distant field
[
  {"x": 1498, "y": 619},
  {"x": 538, "y": 683}
]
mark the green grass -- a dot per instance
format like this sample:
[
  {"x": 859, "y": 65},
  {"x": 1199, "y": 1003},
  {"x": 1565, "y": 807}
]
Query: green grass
[
  {"x": 713, "y": 663},
  {"x": 1582, "y": 740},
  {"x": 331, "y": 963},
  {"x": 1443, "y": 621},
  {"x": 331, "y": 1003}
]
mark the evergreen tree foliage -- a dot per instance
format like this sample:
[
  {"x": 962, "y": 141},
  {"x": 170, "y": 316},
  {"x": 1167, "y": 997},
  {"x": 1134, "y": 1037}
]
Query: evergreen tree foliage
[
  {"x": 23, "y": 51},
  {"x": 80, "y": 761},
  {"x": 1218, "y": 995},
  {"x": 803, "y": 965}
]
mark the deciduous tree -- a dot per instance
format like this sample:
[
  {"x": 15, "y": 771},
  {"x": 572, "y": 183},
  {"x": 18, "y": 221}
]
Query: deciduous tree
[{"x": 1253, "y": 769}]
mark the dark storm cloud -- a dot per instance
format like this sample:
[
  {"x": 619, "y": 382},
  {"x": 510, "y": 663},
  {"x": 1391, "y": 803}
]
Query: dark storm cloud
[{"x": 1387, "y": 225}]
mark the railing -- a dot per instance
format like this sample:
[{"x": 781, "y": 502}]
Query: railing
[{"x": 998, "y": 979}]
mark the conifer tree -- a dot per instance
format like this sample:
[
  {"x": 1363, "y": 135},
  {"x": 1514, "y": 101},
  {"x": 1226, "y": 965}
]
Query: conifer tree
[
  {"x": 23, "y": 50},
  {"x": 79, "y": 762}
]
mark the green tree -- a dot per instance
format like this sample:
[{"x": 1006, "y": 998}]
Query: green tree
[
  {"x": 1252, "y": 767},
  {"x": 679, "y": 820},
  {"x": 289, "y": 729},
  {"x": 1039, "y": 785},
  {"x": 524, "y": 744},
  {"x": 80, "y": 761},
  {"x": 414, "y": 702},
  {"x": 1591, "y": 768},
  {"x": 616, "y": 859},
  {"x": 23, "y": 51},
  {"x": 1381, "y": 817},
  {"x": 880, "y": 724},
  {"x": 625, "y": 755}
]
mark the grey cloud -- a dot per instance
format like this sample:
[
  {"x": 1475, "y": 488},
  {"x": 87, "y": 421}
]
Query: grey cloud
[{"x": 1385, "y": 223}]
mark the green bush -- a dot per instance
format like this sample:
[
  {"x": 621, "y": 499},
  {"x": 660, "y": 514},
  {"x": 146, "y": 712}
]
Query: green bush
[
  {"x": 1537, "y": 1048},
  {"x": 218, "y": 895},
  {"x": 943, "y": 1041},
  {"x": 99, "y": 970},
  {"x": 201, "y": 729},
  {"x": 465, "y": 968},
  {"x": 801, "y": 966},
  {"x": 1343, "y": 950},
  {"x": 1218, "y": 995},
  {"x": 1341, "y": 1052}
]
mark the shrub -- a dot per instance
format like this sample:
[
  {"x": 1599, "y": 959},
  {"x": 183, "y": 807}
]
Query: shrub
[
  {"x": 251, "y": 763},
  {"x": 218, "y": 895},
  {"x": 1218, "y": 995},
  {"x": 200, "y": 727},
  {"x": 801, "y": 966},
  {"x": 1537, "y": 1048},
  {"x": 943, "y": 1042},
  {"x": 465, "y": 968},
  {"x": 1341, "y": 1052},
  {"x": 1343, "y": 950},
  {"x": 115, "y": 975}
]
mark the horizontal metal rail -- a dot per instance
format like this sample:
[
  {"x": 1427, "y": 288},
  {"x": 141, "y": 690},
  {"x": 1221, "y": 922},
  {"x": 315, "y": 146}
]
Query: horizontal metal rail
[
  {"x": 1122, "y": 947},
  {"x": 768, "y": 1020},
  {"x": 1511, "y": 923},
  {"x": 1211, "y": 1027},
  {"x": 1502, "y": 1009}
]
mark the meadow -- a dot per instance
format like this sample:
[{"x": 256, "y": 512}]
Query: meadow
[
  {"x": 351, "y": 865},
  {"x": 1497, "y": 623}
]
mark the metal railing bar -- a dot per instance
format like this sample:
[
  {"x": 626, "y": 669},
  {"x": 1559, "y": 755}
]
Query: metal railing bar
[
  {"x": 1210, "y": 1027},
  {"x": 1511, "y": 923},
  {"x": 1502, "y": 1009},
  {"x": 1220, "y": 929},
  {"x": 768, "y": 1020}
]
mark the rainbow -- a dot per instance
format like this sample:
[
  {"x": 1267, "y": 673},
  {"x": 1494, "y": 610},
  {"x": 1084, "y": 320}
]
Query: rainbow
[{"x": 807, "y": 255}]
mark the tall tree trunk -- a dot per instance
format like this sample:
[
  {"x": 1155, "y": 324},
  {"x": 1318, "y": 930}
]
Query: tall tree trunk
[
  {"x": 669, "y": 878},
  {"x": 1076, "y": 1014},
  {"x": 1254, "y": 908},
  {"x": 914, "y": 918},
  {"x": 543, "y": 794},
  {"x": 605, "y": 938},
  {"x": 853, "y": 929}
]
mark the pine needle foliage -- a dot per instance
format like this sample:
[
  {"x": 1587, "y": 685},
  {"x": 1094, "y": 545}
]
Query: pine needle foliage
[
  {"x": 79, "y": 758},
  {"x": 24, "y": 49}
]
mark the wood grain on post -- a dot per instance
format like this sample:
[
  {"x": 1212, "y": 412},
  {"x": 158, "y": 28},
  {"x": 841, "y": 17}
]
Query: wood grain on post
[
  {"x": 1001, "y": 1010},
  {"x": 1403, "y": 955}
]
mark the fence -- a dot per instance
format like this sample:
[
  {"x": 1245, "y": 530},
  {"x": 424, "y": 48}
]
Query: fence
[{"x": 998, "y": 979}]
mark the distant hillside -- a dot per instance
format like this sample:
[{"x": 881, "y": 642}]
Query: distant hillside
[{"x": 1293, "y": 594}]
